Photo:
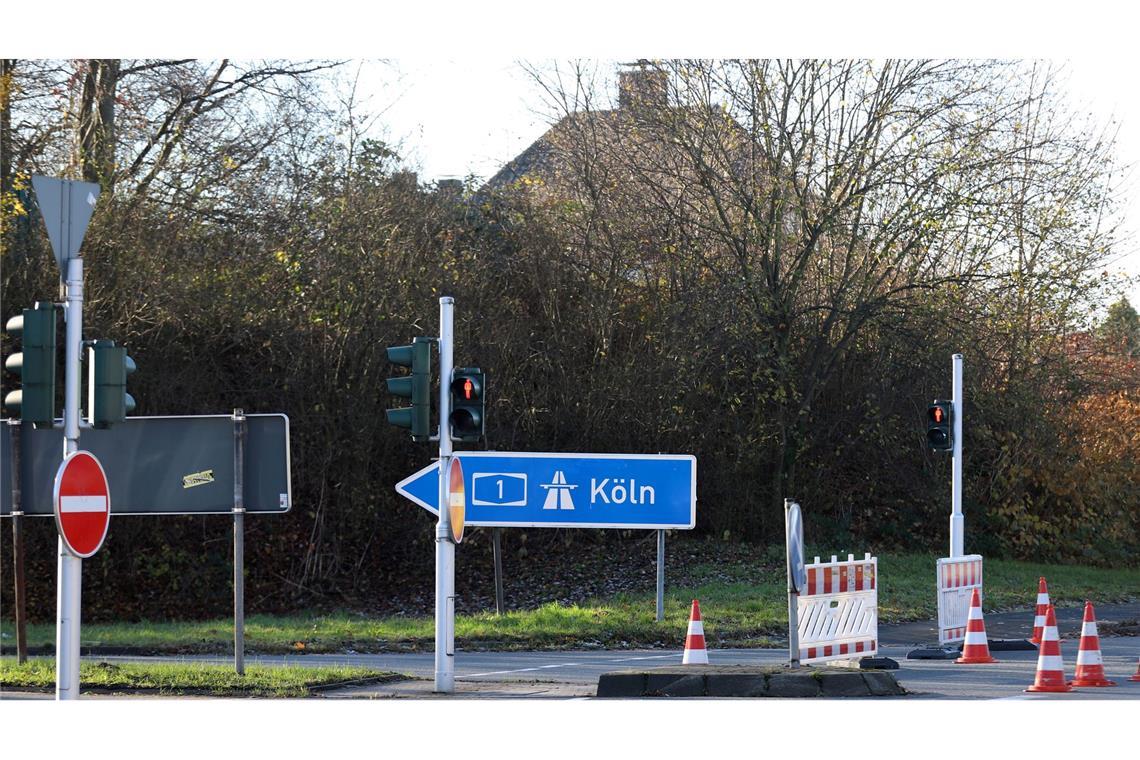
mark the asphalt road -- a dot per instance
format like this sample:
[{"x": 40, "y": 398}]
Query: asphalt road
[{"x": 569, "y": 674}]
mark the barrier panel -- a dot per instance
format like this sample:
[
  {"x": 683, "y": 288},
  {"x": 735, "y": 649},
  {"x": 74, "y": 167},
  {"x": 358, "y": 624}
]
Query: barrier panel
[
  {"x": 838, "y": 610},
  {"x": 957, "y": 579}
]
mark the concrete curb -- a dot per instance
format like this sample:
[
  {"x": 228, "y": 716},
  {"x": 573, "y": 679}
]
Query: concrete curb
[{"x": 748, "y": 681}]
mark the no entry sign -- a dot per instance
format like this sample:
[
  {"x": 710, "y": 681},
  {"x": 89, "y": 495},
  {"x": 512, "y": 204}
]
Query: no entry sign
[{"x": 82, "y": 504}]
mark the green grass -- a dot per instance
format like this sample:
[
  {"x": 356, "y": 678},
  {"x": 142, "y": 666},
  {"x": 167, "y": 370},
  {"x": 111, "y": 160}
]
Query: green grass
[
  {"x": 38, "y": 673},
  {"x": 742, "y": 605}
]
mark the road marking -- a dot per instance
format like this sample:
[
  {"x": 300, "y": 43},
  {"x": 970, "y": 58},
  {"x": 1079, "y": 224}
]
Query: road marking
[
  {"x": 517, "y": 670},
  {"x": 569, "y": 665}
]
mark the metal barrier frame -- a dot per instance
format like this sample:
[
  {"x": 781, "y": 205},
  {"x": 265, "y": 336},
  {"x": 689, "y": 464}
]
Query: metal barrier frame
[{"x": 838, "y": 610}]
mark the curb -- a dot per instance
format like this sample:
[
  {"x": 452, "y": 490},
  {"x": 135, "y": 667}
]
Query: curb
[{"x": 748, "y": 681}]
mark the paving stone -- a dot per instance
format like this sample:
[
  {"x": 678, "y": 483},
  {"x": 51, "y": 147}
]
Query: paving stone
[
  {"x": 793, "y": 685},
  {"x": 656, "y": 682},
  {"x": 621, "y": 684},
  {"x": 843, "y": 685},
  {"x": 737, "y": 685},
  {"x": 688, "y": 686},
  {"x": 882, "y": 684}
]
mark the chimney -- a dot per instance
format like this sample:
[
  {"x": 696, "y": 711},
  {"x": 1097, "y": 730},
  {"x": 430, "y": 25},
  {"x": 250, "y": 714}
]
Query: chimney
[
  {"x": 449, "y": 187},
  {"x": 644, "y": 86}
]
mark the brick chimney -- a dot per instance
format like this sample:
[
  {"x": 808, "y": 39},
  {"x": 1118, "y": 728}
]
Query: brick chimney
[{"x": 643, "y": 86}]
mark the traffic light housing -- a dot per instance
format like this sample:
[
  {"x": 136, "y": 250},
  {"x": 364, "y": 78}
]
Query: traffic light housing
[
  {"x": 468, "y": 390},
  {"x": 416, "y": 386},
  {"x": 108, "y": 367},
  {"x": 940, "y": 425},
  {"x": 34, "y": 401}
]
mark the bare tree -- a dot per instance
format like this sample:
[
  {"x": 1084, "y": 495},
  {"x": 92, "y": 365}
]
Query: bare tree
[{"x": 821, "y": 196}]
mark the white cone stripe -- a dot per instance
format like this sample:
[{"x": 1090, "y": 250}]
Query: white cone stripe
[
  {"x": 1038, "y": 621},
  {"x": 975, "y": 637},
  {"x": 1089, "y": 657},
  {"x": 696, "y": 627},
  {"x": 1050, "y": 634},
  {"x": 82, "y": 503},
  {"x": 1042, "y": 598},
  {"x": 695, "y": 657},
  {"x": 1089, "y": 628},
  {"x": 1050, "y": 662},
  {"x": 975, "y": 613}
]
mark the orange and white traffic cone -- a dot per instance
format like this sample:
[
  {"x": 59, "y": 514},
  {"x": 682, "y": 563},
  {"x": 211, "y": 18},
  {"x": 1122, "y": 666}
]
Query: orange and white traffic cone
[
  {"x": 1050, "y": 666},
  {"x": 1090, "y": 665},
  {"x": 1042, "y": 605},
  {"x": 976, "y": 648},
  {"x": 1136, "y": 677},
  {"x": 695, "y": 652}
]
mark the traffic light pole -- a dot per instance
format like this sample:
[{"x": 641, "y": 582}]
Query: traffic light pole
[
  {"x": 957, "y": 522},
  {"x": 70, "y": 567},
  {"x": 444, "y": 548}
]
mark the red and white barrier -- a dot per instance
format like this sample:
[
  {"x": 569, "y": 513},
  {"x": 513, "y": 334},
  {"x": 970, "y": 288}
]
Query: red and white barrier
[
  {"x": 838, "y": 610},
  {"x": 957, "y": 579}
]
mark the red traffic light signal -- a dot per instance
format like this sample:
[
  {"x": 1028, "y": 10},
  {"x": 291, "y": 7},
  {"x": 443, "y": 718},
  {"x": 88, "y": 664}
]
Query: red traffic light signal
[
  {"x": 467, "y": 404},
  {"x": 939, "y": 432}
]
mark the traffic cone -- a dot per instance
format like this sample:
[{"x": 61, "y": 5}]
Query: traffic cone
[
  {"x": 975, "y": 649},
  {"x": 695, "y": 652},
  {"x": 1137, "y": 676},
  {"x": 1090, "y": 665},
  {"x": 1050, "y": 666},
  {"x": 1042, "y": 605}
]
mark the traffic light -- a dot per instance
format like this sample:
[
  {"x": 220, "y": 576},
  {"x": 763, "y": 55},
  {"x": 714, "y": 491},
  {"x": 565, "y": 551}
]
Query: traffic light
[
  {"x": 939, "y": 428},
  {"x": 34, "y": 402},
  {"x": 468, "y": 389},
  {"x": 417, "y": 387},
  {"x": 108, "y": 367}
]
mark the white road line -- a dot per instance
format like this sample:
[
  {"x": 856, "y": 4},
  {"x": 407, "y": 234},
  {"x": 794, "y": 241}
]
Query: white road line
[
  {"x": 567, "y": 665},
  {"x": 516, "y": 670}
]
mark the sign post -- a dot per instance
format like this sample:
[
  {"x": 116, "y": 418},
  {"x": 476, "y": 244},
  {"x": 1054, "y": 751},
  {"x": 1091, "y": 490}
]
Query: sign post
[
  {"x": 444, "y": 548},
  {"x": 18, "y": 546},
  {"x": 239, "y": 542},
  {"x": 660, "y": 575},
  {"x": 797, "y": 575},
  {"x": 82, "y": 512}
]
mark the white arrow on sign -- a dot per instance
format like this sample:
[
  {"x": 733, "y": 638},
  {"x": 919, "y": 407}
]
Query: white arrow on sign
[{"x": 66, "y": 206}]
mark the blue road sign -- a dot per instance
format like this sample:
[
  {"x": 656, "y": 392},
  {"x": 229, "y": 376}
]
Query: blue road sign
[{"x": 527, "y": 490}]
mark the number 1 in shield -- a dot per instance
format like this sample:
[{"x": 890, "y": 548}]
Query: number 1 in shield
[{"x": 498, "y": 489}]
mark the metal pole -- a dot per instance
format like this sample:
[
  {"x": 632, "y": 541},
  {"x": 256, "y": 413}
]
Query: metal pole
[
  {"x": 70, "y": 567},
  {"x": 660, "y": 575},
  {"x": 957, "y": 522},
  {"x": 18, "y": 548},
  {"x": 444, "y": 549},
  {"x": 497, "y": 551},
  {"x": 793, "y": 593},
  {"x": 239, "y": 541}
]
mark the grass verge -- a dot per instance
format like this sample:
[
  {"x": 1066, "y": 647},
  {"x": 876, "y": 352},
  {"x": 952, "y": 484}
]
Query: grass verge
[
  {"x": 38, "y": 673},
  {"x": 743, "y": 604}
]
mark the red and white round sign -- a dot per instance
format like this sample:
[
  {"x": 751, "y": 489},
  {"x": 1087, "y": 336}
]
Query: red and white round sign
[{"x": 82, "y": 503}]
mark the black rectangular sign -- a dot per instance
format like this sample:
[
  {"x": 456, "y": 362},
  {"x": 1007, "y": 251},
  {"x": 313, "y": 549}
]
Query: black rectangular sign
[{"x": 160, "y": 465}]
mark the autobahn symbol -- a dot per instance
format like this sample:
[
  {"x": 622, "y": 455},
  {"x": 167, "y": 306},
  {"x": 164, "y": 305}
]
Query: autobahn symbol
[
  {"x": 559, "y": 495},
  {"x": 655, "y": 491},
  {"x": 82, "y": 504}
]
